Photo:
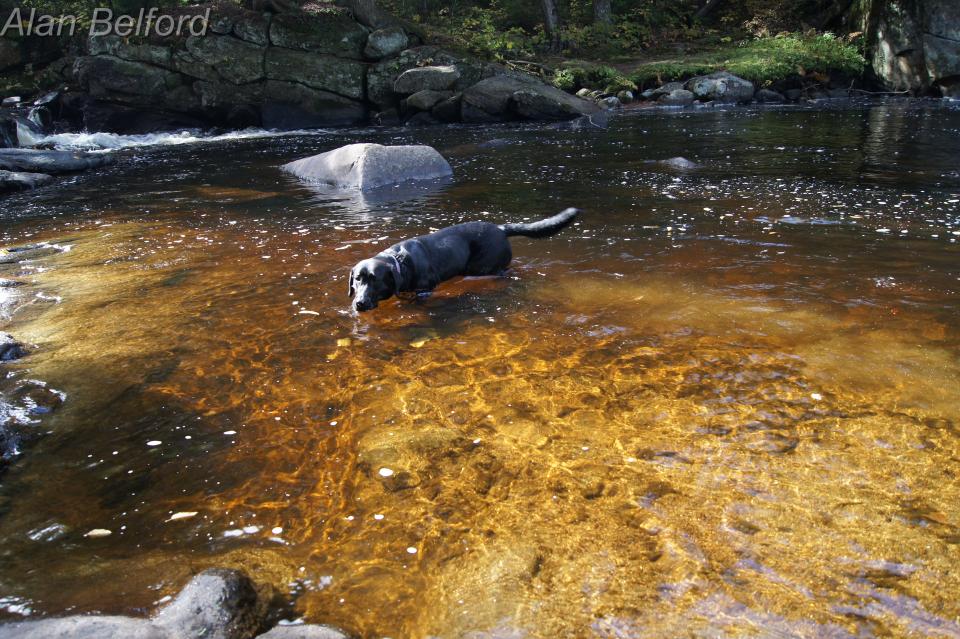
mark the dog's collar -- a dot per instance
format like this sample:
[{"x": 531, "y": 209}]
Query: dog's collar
[{"x": 397, "y": 270}]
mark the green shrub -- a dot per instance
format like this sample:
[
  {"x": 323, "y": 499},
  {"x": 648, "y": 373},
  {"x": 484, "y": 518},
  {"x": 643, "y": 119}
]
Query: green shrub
[
  {"x": 578, "y": 74},
  {"x": 564, "y": 79},
  {"x": 762, "y": 60}
]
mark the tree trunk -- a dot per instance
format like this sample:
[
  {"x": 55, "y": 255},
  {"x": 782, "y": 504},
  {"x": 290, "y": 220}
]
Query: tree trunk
[
  {"x": 602, "y": 12},
  {"x": 551, "y": 20}
]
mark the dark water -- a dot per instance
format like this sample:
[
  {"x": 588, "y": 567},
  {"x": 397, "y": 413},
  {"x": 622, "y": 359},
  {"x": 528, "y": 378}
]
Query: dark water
[{"x": 723, "y": 404}]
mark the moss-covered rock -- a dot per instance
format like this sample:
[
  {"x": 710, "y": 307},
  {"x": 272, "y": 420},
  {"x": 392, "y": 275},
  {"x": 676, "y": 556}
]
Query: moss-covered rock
[
  {"x": 233, "y": 59},
  {"x": 334, "y": 33},
  {"x": 338, "y": 75}
]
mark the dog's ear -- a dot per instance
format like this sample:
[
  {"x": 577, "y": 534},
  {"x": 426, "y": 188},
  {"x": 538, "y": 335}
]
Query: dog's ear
[{"x": 350, "y": 289}]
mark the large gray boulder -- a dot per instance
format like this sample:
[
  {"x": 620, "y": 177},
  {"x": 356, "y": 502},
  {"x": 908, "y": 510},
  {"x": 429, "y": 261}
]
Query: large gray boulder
[
  {"x": 329, "y": 73},
  {"x": 382, "y": 75},
  {"x": 253, "y": 27},
  {"x": 329, "y": 32},
  {"x": 234, "y": 60},
  {"x": 370, "y": 166},
  {"x": 83, "y": 628},
  {"x": 133, "y": 51},
  {"x": 18, "y": 181},
  {"x": 507, "y": 97},
  {"x": 436, "y": 78},
  {"x": 55, "y": 162},
  {"x": 114, "y": 79},
  {"x": 216, "y": 604},
  {"x": 384, "y": 43},
  {"x": 912, "y": 45},
  {"x": 721, "y": 87}
]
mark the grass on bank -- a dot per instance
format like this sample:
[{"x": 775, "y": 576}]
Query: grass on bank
[{"x": 762, "y": 61}]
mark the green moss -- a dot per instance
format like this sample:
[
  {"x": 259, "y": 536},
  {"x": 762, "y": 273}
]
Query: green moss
[{"x": 762, "y": 60}]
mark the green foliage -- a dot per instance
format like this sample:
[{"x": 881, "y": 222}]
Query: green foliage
[
  {"x": 476, "y": 31},
  {"x": 564, "y": 79},
  {"x": 761, "y": 60},
  {"x": 578, "y": 74}
]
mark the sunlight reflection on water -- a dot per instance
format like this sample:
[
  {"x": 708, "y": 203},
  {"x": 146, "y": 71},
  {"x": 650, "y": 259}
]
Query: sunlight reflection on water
[{"x": 701, "y": 407}]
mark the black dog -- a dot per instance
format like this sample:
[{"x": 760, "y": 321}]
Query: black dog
[{"x": 473, "y": 248}]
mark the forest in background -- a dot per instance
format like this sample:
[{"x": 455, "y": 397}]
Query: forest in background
[{"x": 644, "y": 42}]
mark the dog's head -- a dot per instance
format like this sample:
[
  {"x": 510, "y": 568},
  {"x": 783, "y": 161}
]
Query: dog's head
[{"x": 372, "y": 280}]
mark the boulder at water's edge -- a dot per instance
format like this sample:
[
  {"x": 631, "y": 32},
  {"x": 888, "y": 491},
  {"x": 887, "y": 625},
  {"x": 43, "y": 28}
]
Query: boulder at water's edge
[{"x": 369, "y": 166}]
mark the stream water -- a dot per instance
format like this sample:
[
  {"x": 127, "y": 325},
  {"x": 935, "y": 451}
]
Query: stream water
[{"x": 724, "y": 403}]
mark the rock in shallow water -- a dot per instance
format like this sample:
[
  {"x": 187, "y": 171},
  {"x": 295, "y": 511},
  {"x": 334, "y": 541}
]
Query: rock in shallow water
[
  {"x": 369, "y": 166},
  {"x": 54, "y": 162},
  {"x": 83, "y": 628},
  {"x": 216, "y": 604},
  {"x": 19, "y": 181},
  {"x": 10, "y": 349},
  {"x": 305, "y": 632},
  {"x": 679, "y": 163}
]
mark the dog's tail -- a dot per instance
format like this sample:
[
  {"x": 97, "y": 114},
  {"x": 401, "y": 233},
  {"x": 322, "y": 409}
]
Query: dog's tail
[{"x": 543, "y": 228}]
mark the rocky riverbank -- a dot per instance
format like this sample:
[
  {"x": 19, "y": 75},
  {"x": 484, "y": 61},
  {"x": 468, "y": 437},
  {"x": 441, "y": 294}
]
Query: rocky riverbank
[
  {"x": 287, "y": 70},
  {"x": 216, "y": 604}
]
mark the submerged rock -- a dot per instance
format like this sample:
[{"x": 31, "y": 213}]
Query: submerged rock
[
  {"x": 679, "y": 163},
  {"x": 20, "y": 181},
  {"x": 54, "y": 162},
  {"x": 369, "y": 166}
]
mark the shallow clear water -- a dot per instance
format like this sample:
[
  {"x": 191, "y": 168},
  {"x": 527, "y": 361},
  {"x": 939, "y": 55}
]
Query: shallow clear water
[{"x": 723, "y": 404}]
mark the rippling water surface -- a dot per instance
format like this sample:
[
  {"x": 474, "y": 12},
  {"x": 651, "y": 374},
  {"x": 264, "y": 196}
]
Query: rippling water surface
[{"x": 723, "y": 404}]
